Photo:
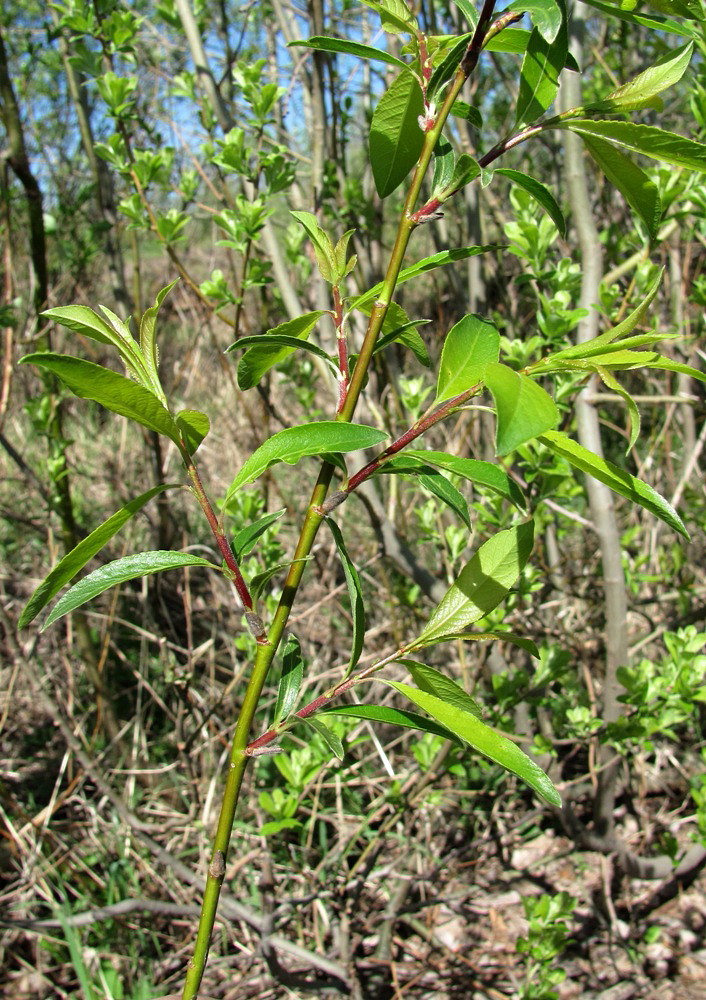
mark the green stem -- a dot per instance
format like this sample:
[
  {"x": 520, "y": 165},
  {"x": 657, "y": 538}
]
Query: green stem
[{"x": 267, "y": 649}]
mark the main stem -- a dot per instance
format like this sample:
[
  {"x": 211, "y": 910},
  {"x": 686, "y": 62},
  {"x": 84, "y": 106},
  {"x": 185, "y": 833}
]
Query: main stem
[{"x": 314, "y": 516}]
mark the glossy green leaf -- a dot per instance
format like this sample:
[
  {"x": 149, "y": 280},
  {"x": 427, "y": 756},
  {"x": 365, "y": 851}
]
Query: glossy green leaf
[
  {"x": 646, "y": 139},
  {"x": 74, "y": 561},
  {"x": 601, "y": 343},
  {"x": 194, "y": 427},
  {"x": 616, "y": 479},
  {"x": 642, "y": 19},
  {"x": 308, "y": 439},
  {"x": 641, "y": 193},
  {"x": 470, "y": 346},
  {"x": 406, "y": 334},
  {"x": 387, "y": 715},
  {"x": 444, "y": 162},
  {"x": 114, "y": 392},
  {"x": 395, "y": 136},
  {"x": 612, "y": 383},
  {"x": 260, "y": 580},
  {"x": 539, "y": 77},
  {"x": 261, "y": 353},
  {"x": 440, "y": 259},
  {"x": 332, "y": 741},
  {"x": 465, "y": 171},
  {"x": 445, "y": 491},
  {"x": 148, "y": 341},
  {"x": 290, "y": 680},
  {"x": 395, "y": 16},
  {"x": 112, "y": 331},
  {"x": 541, "y": 194},
  {"x": 545, "y": 14},
  {"x": 355, "y": 594},
  {"x": 521, "y": 641},
  {"x": 482, "y": 584},
  {"x": 641, "y": 91},
  {"x": 321, "y": 242},
  {"x": 432, "y": 681},
  {"x": 120, "y": 571},
  {"x": 446, "y": 68},
  {"x": 627, "y": 360},
  {"x": 346, "y": 47},
  {"x": 479, "y": 473},
  {"x": 244, "y": 541},
  {"x": 485, "y": 740},
  {"x": 524, "y": 409}
]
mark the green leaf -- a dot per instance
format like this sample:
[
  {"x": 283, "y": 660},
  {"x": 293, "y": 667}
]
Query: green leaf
[
  {"x": 479, "y": 473},
  {"x": 599, "y": 344},
  {"x": 323, "y": 247},
  {"x": 541, "y": 194},
  {"x": 114, "y": 392},
  {"x": 406, "y": 334},
  {"x": 392, "y": 717},
  {"x": 641, "y": 91},
  {"x": 450, "y": 62},
  {"x": 148, "y": 342},
  {"x": 260, "y": 581},
  {"x": 308, "y": 439},
  {"x": 485, "y": 740},
  {"x": 524, "y": 409},
  {"x": 194, "y": 427},
  {"x": 634, "y": 414},
  {"x": 440, "y": 486},
  {"x": 444, "y": 161},
  {"x": 440, "y": 259},
  {"x": 395, "y": 136},
  {"x": 74, "y": 561},
  {"x": 244, "y": 541},
  {"x": 641, "y": 194},
  {"x": 332, "y": 741},
  {"x": 644, "y": 20},
  {"x": 346, "y": 47},
  {"x": 434, "y": 682},
  {"x": 646, "y": 139},
  {"x": 539, "y": 76},
  {"x": 264, "y": 351},
  {"x": 291, "y": 679},
  {"x": 616, "y": 479},
  {"x": 470, "y": 346},
  {"x": 395, "y": 16},
  {"x": 546, "y": 16},
  {"x": 355, "y": 594},
  {"x": 482, "y": 584},
  {"x": 120, "y": 571},
  {"x": 83, "y": 320},
  {"x": 465, "y": 171}
]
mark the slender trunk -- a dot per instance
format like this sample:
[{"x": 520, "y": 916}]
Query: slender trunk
[{"x": 600, "y": 497}]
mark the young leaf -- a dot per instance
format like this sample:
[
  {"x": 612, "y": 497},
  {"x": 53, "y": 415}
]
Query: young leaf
[
  {"x": 323, "y": 247},
  {"x": 346, "y": 47},
  {"x": 119, "y": 571},
  {"x": 641, "y": 91},
  {"x": 539, "y": 76},
  {"x": 541, "y": 194},
  {"x": 308, "y": 439},
  {"x": 83, "y": 320},
  {"x": 395, "y": 16},
  {"x": 332, "y": 741},
  {"x": 633, "y": 413},
  {"x": 646, "y": 139},
  {"x": 260, "y": 581},
  {"x": 465, "y": 171},
  {"x": 524, "y": 409},
  {"x": 244, "y": 541},
  {"x": 482, "y": 584},
  {"x": 470, "y": 346},
  {"x": 444, "y": 161},
  {"x": 616, "y": 479},
  {"x": 546, "y": 16},
  {"x": 194, "y": 427},
  {"x": 479, "y": 473},
  {"x": 440, "y": 259},
  {"x": 148, "y": 343},
  {"x": 395, "y": 136},
  {"x": 641, "y": 194},
  {"x": 114, "y": 392},
  {"x": 485, "y": 740},
  {"x": 599, "y": 344},
  {"x": 434, "y": 682},
  {"x": 266, "y": 350},
  {"x": 644, "y": 20},
  {"x": 405, "y": 334},
  {"x": 291, "y": 679},
  {"x": 74, "y": 561},
  {"x": 445, "y": 491},
  {"x": 392, "y": 717},
  {"x": 355, "y": 594}
]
